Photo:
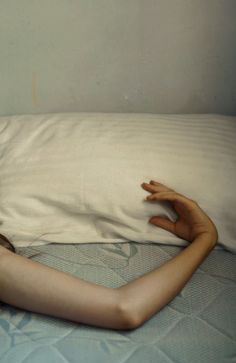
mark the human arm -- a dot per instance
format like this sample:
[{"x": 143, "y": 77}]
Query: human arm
[
  {"x": 149, "y": 293},
  {"x": 35, "y": 287}
]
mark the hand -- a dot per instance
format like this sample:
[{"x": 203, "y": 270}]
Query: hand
[{"x": 192, "y": 220}]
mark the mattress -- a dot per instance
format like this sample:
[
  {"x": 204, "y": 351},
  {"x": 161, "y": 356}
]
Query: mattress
[{"x": 198, "y": 325}]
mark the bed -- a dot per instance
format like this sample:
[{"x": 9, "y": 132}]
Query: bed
[
  {"x": 199, "y": 325},
  {"x": 111, "y": 248}
]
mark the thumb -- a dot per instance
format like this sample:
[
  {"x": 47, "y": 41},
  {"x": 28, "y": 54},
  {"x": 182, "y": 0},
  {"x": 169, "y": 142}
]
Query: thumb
[{"x": 163, "y": 222}]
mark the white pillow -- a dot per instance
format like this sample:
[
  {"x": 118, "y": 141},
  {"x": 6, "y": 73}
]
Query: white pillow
[{"x": 75, "y": 177}]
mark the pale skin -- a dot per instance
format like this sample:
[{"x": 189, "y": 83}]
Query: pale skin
[{"x": 35, "y": 287}]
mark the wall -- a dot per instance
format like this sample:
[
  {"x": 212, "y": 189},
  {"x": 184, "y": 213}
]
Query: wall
[{"x": 163, "y": 56}]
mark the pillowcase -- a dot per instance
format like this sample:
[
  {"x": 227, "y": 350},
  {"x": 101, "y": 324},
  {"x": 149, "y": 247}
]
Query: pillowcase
[{"x": 76, "y": 177}]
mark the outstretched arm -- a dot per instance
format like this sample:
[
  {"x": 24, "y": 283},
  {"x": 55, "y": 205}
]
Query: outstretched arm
[
  {"x": 146, "y": 295},
  {"x": 35, "y": 287}
]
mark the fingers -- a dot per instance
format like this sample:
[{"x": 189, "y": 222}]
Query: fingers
[
  {"x": 161, "y": 192},
  {"x": 160, "y": 186},
  {"x": 169, "y": 196},
  {"x": 154, "y": 187}
]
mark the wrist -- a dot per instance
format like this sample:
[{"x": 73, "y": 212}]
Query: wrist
[{"x": 210, "y": 238}]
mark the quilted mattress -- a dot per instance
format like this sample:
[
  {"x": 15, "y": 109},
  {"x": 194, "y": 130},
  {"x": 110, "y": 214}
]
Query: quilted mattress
[{"x": 199, "y": 325}]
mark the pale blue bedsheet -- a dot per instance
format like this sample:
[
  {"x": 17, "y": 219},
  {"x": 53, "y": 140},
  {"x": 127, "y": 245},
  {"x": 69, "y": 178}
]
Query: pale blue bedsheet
[{"x": 199, "y": 325}]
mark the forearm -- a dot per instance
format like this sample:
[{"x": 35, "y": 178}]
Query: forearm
[
  {"x": 39, "y": 288},
  {"x": 147, "y": 294},
  {"x": 35, "y": 287}
]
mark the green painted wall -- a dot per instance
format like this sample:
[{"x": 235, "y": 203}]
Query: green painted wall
[{"x": 163, "y": 56}]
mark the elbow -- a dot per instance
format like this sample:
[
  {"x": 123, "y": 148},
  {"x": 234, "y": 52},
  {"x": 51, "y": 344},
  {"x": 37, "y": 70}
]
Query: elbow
[
  {"x": 129, "y": 318},
  {"x": 128, "y": 321}
]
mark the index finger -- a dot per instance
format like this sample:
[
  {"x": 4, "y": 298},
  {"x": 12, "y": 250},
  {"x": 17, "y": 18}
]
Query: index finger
[{"x": 172, "y": 197}]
